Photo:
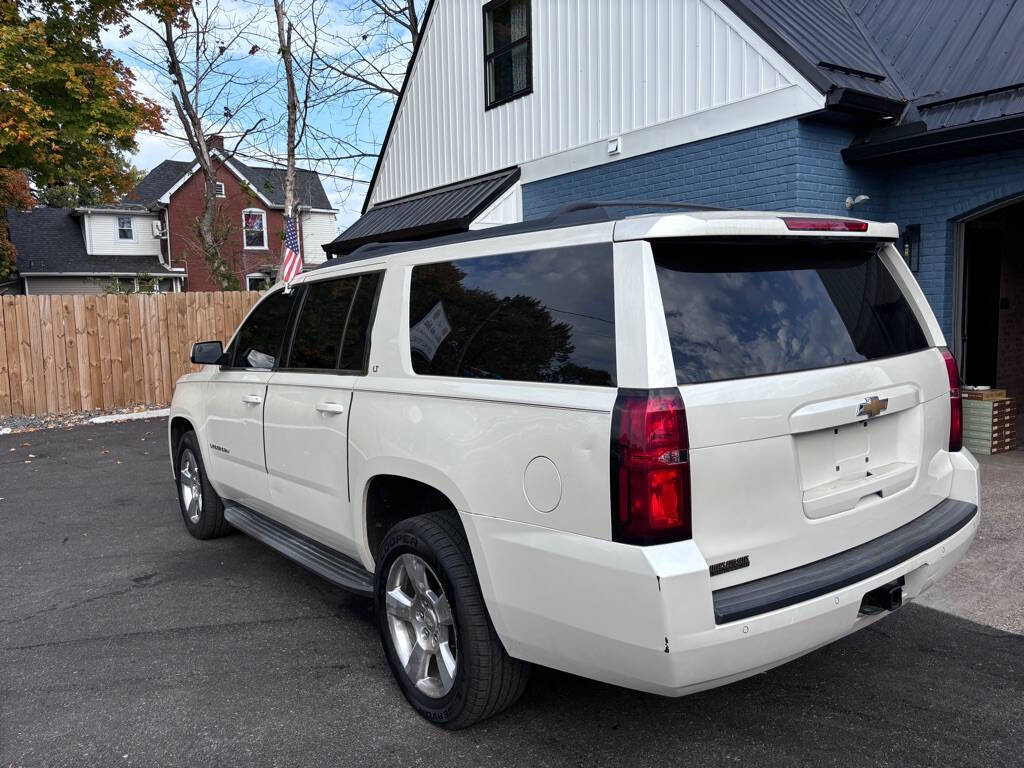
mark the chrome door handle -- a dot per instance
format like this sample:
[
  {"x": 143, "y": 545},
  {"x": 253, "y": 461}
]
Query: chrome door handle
[
  {"x": 329, "y": 407},
  {"x": 252, "y": 399}
]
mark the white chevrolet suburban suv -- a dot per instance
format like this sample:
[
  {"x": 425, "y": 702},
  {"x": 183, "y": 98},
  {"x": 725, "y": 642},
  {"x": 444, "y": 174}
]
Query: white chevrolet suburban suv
[{"x": 665, "y": 451}]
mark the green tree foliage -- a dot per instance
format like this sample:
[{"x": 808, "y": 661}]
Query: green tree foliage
[{"x": 69, "y": 111}]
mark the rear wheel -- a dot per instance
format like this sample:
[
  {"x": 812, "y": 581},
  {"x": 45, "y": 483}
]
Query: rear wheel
[
  {"x": 438, "y": 638},
  {"x": 201, "y": 507}
]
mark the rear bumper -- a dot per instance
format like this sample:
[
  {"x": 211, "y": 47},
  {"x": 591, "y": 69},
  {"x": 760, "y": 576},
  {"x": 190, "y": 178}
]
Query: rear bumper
[
  {"x": 779, "y": 590},
  {"x": 644, "y": 617},
  {"x": 737, "y": 649}
]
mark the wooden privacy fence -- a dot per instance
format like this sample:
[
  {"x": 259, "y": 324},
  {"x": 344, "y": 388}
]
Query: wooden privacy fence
[{"x": 60, "y": 354}]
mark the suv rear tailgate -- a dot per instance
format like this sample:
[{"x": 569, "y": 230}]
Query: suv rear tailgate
[
  {"x": 772, "y": 489},
  {"x": 818, "y": 411}
]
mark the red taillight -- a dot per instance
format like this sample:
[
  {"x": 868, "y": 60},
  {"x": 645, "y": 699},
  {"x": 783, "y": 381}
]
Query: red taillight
[
  {"x": 650, "y": 468},
  {"x": 956, "y": 405},
  {"x": 824, "y": 225}
]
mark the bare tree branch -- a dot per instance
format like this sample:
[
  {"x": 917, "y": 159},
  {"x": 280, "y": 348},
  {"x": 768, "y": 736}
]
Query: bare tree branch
[{"x": 203, "y": 50}]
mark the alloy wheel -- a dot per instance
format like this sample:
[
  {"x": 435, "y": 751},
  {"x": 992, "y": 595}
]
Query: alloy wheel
[
  {"x": 422, "y": 625},
  {"x": 191, "y": 486}
]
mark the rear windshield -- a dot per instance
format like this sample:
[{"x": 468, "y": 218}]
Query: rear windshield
[{"x": 754, "y": 308}]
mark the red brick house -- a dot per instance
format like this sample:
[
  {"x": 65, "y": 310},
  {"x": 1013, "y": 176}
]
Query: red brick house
[{"x": 250, "y": 217}]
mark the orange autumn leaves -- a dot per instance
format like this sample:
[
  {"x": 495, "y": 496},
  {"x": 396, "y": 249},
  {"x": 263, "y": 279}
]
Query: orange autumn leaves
[{"x": 68, "y": 108}]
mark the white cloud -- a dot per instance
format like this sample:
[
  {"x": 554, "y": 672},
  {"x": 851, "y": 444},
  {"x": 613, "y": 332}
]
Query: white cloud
[{"x": 154, "y": 148}]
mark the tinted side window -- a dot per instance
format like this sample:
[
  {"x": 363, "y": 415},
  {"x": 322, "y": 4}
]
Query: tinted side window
[
  {"x": 357, "y": 331},
  {"x": 259, "y": 342},
  {"x": 321, "y": 322},
  {"x": 536, "y": 316}
]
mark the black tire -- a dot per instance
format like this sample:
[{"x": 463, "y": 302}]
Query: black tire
[
  {"x": 211, "y": 522},
  {"x": 487, "y": 679}
]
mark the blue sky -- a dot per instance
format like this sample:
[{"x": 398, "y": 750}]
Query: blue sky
[{"x": 345, "y": 195}]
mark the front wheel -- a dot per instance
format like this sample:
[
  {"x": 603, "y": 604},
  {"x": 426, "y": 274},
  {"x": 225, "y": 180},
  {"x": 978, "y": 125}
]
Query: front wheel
[
  {"x": 201, "y": 507},
  {"x": 438, "y": 638}
]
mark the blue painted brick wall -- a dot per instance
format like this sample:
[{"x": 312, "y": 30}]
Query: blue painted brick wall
[
  {"x": 824, "y": 181},
  {"x": 756, "y": 168},
  {"x": 789, "y": 165},
  {"x": 796, "y": 165},
  {"x": 936, "y": 196}
]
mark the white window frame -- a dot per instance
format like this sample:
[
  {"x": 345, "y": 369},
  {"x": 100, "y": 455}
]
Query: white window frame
[
  {"x": 245, "y": 244},
  {"x": 257, "y": 276},
  {"x": 219, "y": 187},
  {"x": 118, "y": 228}
]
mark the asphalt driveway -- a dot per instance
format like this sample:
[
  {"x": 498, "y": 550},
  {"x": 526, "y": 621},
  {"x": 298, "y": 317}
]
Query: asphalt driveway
[{"x": 124, "y": 642}]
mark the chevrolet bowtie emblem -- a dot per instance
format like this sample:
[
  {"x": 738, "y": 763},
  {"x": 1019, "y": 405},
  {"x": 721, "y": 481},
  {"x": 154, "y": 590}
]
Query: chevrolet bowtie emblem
[{"x": 872, "y": 406}]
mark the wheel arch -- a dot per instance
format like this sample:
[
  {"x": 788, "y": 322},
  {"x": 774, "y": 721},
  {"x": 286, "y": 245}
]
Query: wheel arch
[
  {"x": 434, "y": 487},
  {"x": 177, "y": 426},
  {"x": 389, "y": 497}
]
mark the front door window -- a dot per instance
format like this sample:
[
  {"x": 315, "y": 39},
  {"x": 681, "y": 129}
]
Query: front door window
[{"x": 258, "y": 343}]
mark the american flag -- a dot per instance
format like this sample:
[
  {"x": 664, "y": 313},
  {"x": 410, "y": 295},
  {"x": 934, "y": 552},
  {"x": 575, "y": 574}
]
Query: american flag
[{"x": 291, "y": 264}]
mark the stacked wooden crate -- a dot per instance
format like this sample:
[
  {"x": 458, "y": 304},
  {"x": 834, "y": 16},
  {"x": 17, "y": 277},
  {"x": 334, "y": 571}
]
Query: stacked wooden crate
[{"x": 990, "y": 421}]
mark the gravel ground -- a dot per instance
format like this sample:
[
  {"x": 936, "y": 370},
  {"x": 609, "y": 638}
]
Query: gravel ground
[{"x": 18, "y": 424}]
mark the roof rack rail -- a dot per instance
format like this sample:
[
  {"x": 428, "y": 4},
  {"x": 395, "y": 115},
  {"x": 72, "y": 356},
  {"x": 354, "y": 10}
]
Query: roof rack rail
[
  {"x": 364, "y": 251},
  {"x": 583, "y": 205},
  {"x": 573, "y": 214}
]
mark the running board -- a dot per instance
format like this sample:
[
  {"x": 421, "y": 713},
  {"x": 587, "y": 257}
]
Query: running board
[{"x": 337, "y": 568}]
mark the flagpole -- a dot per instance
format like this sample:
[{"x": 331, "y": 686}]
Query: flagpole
[
  {"x": 291, "y": 253},
  {"x": 287, "y": 283}
]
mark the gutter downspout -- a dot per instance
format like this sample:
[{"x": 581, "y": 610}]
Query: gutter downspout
[{"x": 167, "y": 235}]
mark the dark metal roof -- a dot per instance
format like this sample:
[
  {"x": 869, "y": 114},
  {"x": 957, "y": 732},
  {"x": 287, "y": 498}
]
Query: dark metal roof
[
  {"x": 954, "y": 64},
  {"x": 973, "y": 108},
  {"x": 912, "y": 50},
  {"x": 571, "y": 218},
  {"x": 50, "y": 240},
  {"x": 269, "y": 182},
  {"x": 440, "y": 211},
  {"x": 822, "y": 40},
  {"x": 940, "y": 49}
]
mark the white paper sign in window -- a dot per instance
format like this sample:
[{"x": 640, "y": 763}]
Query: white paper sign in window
[
  {"x": 426, "y": 336},
  {"x": 259, "y": 359}
]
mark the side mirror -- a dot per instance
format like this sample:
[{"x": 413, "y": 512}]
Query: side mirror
[{"x": 208, "y": 353}]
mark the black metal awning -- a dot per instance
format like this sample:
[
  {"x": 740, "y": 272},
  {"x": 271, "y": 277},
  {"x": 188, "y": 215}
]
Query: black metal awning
[{"x": 439, "y": 211}]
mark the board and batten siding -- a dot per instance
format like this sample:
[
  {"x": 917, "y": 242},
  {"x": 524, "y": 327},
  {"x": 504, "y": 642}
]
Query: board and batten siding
[
  {"x": 666, "y": 71},
  {"x": 101, "y": 235},
  {"x": 318, "y": 229}
]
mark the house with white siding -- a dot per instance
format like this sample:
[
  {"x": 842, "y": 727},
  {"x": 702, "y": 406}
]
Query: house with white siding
[
  {"x": 902, "y": 110},
  {"x": 89, "y": 250}
]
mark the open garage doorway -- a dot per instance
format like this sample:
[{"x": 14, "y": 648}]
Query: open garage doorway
[{"x": 991, "y": 317}]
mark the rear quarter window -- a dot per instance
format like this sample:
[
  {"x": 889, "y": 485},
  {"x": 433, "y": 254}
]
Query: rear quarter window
[
  {"x": 761, "y": 307},
  {"x": 541, "y": 316}
]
